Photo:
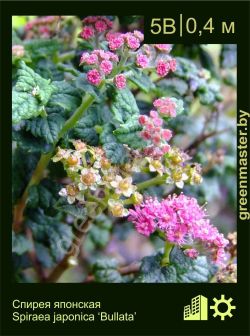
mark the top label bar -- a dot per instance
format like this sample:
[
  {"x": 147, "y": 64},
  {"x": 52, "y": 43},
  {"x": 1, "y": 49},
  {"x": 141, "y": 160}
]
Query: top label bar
[{"x": 186, "y": 23}]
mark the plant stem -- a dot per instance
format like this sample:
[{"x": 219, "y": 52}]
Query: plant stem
[
  {"x": 66, "y": 56},
  {"x": 121, "y": 64},
  {"x": 73, "y": 252},
  {"x": 153, "y": 181},
  {"x": 165, "y": 260},
  {"x": 66, "y": 68},
  {"x": 97, "y": 43},
  {"x": 87, "y": 101},
  {"x": 196, "y": 143},
  {"x": 97, "y": 200},
  {"x": 38, "y": 173},
  {"x": 35, "y": 179}
]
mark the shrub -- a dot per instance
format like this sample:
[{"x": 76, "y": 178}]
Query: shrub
[{"x": 109, "y": 138}]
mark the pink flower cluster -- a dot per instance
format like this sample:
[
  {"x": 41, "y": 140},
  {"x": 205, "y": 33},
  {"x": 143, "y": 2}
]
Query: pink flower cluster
[
  {"x": 40, "y": 21},
  {"x": 18, "y": 50},
  {"x": 165, "y": 106},
  {"x": 163, "y": 67},
  {"x": 142, "y": 61},
  {"x": 94, "y": 25},
  {"x": 191, "y": 253},
  {"x": 130, "y": 40},
  {"x": 155, "y": 55},
  {"x": 166, "y": 48},
  {"x": 43, "y": 26},
  {"x": 120, "y": 81},
  {"x": 153, "y": 130},
  {"x": 183, "y": 221},
  {"x": 102, "y": 61}
]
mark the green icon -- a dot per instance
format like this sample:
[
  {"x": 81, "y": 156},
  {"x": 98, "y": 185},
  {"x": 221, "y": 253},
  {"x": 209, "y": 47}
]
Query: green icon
[
  {"x": 222, "y": 300},
  {"x": 198, "y": 309}
]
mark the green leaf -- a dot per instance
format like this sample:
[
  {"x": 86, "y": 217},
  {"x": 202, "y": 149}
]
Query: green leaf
[
  {"x": 52, "y": 233},
  {"x": 144, "y": 107},
  {"x": 99, "y": 236},
  {"x": 20, "y": 262},
  {"x": 179, "y": 105},
  {"x": 180, "y": 270},
  {"x": 84, "y": 45},
  {"x": 22, "y": 170},
  {"x": 170, "y": 86},
  {"x": 49, "y": 70},
  {"x": 107, "y": 135},
  {"x": 206, "y": 98},
  {"x": 33, "y": 197},
  {"x": 105, "y": 270},
  {"x": 152, "y": 272},
  {"x": 124, "y": 106},
  {"x": 105, "y": 263},
  {"x": 142, "y": 81},
  {"x": 42, "y": 48},
  {"x": 43, "y": 195},
  {"x": 30, "y": 94},
  {"x": 228, "y": 56},
  {"x": 43, "y": 255},
  {"x": 115, "y": 151},
  {"x": 73, "y": 210},
  {"x": 100, "y": 231},
  {"x": 126, "y": 20},
  {"x": 207, "y": 61},
  {"x": 125, "y": 115},
  {"x": 103, "y": 221},
  {"x": 87, "y": 135},
  {"x": 20, "y": 244},
  {"x": 207, "y": 91},
  {"x": 24, "y": 106},
  {"x": 65, "y": 95},
  {"x": 191, "y": 270},
  {"x": 85, "y": 127},
  {"x": 46, "y": 128},
  {"x": 230, "y": 79},
  {"x": 129, "y": 133},
  {"x": 28, "y": 80},
  {"x": 132, "y": 125},
  {"x": 85, "y": 87},
  {"x": 185, "y": 69},
  {"x": 30, "y": 143},
  {"x": 15, "y": 38}
]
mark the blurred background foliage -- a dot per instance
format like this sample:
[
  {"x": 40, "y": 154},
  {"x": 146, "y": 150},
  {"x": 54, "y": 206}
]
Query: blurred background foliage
[{"x": 206, "y": 81}]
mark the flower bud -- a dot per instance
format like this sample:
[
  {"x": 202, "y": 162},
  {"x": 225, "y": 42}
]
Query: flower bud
[{"x": 72, "y": 160}]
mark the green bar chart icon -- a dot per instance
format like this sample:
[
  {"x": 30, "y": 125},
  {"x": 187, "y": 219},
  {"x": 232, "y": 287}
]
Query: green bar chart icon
[{"x": 197, "y": 311}]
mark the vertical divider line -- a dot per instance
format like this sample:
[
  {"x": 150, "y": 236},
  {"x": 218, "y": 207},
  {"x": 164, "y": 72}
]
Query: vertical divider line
[{"x": 181, "y": 23}]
